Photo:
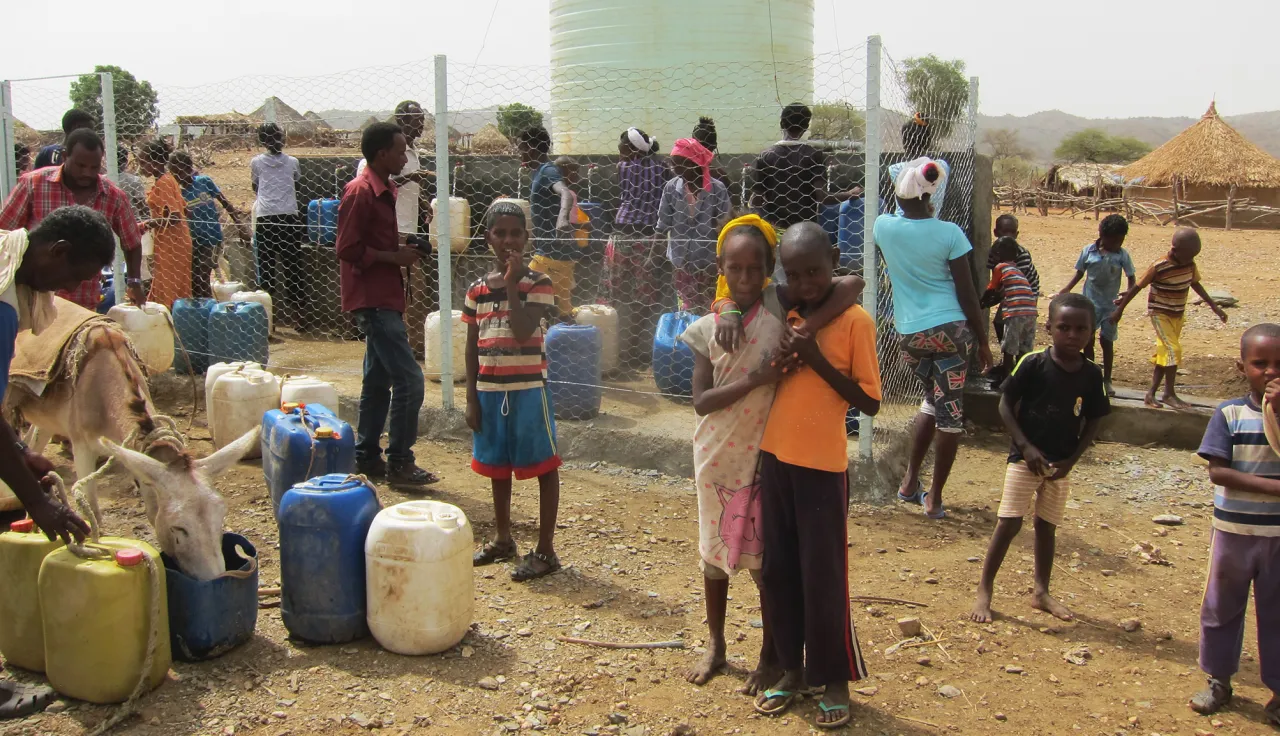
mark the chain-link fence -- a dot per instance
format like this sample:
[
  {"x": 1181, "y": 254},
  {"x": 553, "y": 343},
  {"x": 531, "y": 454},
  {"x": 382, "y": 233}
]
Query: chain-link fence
[{"x": 633, "y": 254}]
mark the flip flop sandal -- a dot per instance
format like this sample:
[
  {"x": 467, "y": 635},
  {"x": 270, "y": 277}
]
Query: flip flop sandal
[
  {"x": 842, "y": 721},
  {"x": 526, "y": 571},
  {"x": 21, "y": 700},
  {"x": 916, "y": 497},
  {"x": 787, "y": 696},
  {"x": 939, "y": 514},
  {"x": 493, "y": 552}
]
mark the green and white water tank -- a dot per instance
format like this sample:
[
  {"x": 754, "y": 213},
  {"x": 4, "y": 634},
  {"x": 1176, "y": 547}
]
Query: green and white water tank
[{"x": 660, "y": 64}]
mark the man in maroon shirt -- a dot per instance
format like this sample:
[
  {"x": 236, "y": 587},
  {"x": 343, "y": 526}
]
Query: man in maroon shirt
[{"x": 372, "y": 256}]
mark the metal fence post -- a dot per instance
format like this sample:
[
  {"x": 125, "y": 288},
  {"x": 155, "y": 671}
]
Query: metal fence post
[
  {"x": 110, "y": 133},
  {"x": 973, "y": 113},
  {"x": 440, "y": 223},
  {"x": 9, "y": 175},
  {"x": 871, "y": 207}
]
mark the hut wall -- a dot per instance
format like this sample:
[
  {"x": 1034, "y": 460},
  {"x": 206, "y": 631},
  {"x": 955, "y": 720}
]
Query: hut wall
[{"x": 1164, "y": 197}]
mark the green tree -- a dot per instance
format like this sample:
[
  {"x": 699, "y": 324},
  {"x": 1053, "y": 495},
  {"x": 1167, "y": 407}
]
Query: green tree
[
  {"x": 1096, "y": 146},
  {"x": 837, "y": 121},
  {"x": 135, "y": 106},
  {"x": 938, "y": 90},
  {"x": 516, "y": 118},
  {"x": 1004, "y": 143}
]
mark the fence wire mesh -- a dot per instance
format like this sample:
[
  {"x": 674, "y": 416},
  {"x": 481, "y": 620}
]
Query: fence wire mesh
[{"x": 637, "y": 259}]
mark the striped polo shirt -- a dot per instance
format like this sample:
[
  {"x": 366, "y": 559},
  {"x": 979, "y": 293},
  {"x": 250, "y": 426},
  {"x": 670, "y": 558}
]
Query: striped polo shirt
[
  {"x": 507, "y": 364},
  {"x": 1170, "y": 282},
  {"x": 1235, "y": 435},
  {"x": 1018, "y": 299}
]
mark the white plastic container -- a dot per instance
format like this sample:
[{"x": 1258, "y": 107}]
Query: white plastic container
[
  {"x": 239, "y": 400},
  {"x": 149, "y": 329},
  {"x": 223, "y": 291},
  {"x": 605, "y": 319},
  {"x": 308, "y": 390},
  {"x": 418, "y": 569},
  {"x": 431, "y": 346},
  {"x": 524, "y": 205},
  {"x": 260, "y": 297},
  {"x": 459, "y": 224},
  {"x": 211, "y": 376}
]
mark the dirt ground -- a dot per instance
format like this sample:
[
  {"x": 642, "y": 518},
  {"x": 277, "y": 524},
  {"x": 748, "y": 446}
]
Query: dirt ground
[{"x": 631, "y": 575}]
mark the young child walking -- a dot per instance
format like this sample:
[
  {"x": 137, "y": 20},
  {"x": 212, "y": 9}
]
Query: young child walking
[
  {"x": 508, "y": 405},
  {"x": 1052, "y": 405},
  {"x": 1245, "y": 468},
  {"x": 804, "y": 488},
  {"x": 1100, "y": 265},
  {"x": 202, "y": 196},
  {"x": 1169, "y": 279},
  {"x": 1011, "y": 289}
]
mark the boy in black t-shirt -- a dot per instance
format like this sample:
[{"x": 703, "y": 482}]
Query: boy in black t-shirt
[{"x": 1052, "y": 404}]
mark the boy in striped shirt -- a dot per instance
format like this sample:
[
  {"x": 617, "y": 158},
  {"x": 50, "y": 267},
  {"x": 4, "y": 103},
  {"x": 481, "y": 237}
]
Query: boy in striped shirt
[
  {"x": 508, "y": 406},
  {"x": 1169, "y": 279},
  {"x": 1245, "y": 469},
  {"x": 1010, "y": 289}
]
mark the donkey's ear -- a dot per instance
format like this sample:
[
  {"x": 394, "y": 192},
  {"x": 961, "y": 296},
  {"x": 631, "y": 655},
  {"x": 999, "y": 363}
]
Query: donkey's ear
[
  {"x": 217, "y": 463},
  {"x": 143, "y": 468}
]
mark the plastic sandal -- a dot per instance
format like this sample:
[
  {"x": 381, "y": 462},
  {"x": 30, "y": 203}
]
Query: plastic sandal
[
  {"x": 493, "y": 552},
  {"x": 525, "y": 571},
  {"x": 848, "y": 716},
  {"x": 941, "y": 512},
  {"x": 917, "y": 497},
  {"x": 21, "y": 700},
  {"x": 788, "y": 697}
]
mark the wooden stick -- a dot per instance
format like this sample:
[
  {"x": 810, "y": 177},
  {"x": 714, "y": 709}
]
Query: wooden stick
[
  {"x": 878, "y": 599},
  {"x": 936, "y": 639},
  {"x": 269, "y": 591},
  {"x": 1067, "y": 572},
  {"x": 918, "y": 720},
  {"x": 623, "y": 645}
]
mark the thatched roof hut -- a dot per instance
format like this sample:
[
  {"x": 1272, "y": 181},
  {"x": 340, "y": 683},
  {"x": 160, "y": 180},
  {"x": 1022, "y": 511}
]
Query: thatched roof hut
[
  {"x": 1085, "y": 179},
  {"x": 1210, "y": 161},
  {"x": 489, "y": 141}
]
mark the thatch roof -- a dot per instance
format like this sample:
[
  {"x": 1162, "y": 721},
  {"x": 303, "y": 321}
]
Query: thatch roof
[
  {"x": 319, "y": 121},
  {"x": 284, "y": 113},
  {"x": 488, "y": 140},
  {"x": 219, "y": 118},
  {"x": 1209, "y": 153},
  {"x": 1083, "y": 176}
]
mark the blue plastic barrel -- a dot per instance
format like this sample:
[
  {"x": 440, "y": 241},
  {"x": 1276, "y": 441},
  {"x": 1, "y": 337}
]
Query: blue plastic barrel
[
  {"x": 829, "y": 219},
  {"x": 573, "y": 370},
  {"x": 238, "y": 332},
  {"x": 672, "y": 359},
  {"x": 323, "y": 525},
  {"x": 852, "y": 226},
  {"x": 303, "y": 443},
  {"x": 208, "y": 618},
  {"x": 191, "y": 332},
  {"x": 322, "y": 221}
]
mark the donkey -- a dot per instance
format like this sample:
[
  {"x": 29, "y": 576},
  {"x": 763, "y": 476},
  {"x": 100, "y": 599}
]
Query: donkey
[{"x": 97, "y": 407}]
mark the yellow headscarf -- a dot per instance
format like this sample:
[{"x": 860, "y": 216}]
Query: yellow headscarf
[{"x": 770, "y": 236}]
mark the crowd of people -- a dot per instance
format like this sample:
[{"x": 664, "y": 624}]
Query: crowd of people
[{"x": 782, "y": 352}]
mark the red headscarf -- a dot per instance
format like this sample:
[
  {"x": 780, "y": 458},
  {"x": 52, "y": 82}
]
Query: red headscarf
[{"x": 697, "y": 153}]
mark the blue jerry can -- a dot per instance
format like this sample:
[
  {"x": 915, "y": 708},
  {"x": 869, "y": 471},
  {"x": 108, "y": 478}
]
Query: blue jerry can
[
  {"x": 852, "y": 219},
  {"x": 191, "y": 333},
  {"x": 323, "y": 525},
  {"x": 238, "y": 332},
  {"x": 304, "y": 442},
  {"x": 322, "y": 221},
  {"x": 208, "y": 618},
  {"x": 829, "y": 219},
  {"x": 573, "y": 370},
  {"x": 672, "y": 359}
]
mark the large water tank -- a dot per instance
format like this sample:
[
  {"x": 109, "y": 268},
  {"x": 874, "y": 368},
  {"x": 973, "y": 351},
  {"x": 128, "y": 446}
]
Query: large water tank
[{"x": 658, "y": 65}]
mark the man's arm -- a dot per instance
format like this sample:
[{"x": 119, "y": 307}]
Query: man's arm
[
  {"x": 566, "y": 205},
  {"x": 232, "y": 212},
  {"x": 967, "y": 295}
]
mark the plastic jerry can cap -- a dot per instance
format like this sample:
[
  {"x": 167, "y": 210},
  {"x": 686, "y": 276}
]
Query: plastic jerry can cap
[
  {"x": 325, "y": 433},
  {"x": 23, "y": 526},
  {"x": 128, "y": 557},
  {"x": 288, "y": 406}
]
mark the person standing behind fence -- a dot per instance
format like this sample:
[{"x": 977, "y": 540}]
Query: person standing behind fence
[
  {"x": 705, "y": 133},
  {"x": 935, "y": 306},
  {"x": 693, "y": 208},
  {"x": 917, "y": 142},
  {"x": 53, "y": 155},
  {"x": 635, "y": 265},
  {"x": 409, "y": 181},
  {"x": 278, "y": 230},
  {"x": 790, "y": 183},
  {"x": 171, "y": 272},
  {"x": 372, "y": 285},
  {"x": 552, "y": 202},
  {"x": 131, "y": 183},
  {"x": 203, "y": 197}
]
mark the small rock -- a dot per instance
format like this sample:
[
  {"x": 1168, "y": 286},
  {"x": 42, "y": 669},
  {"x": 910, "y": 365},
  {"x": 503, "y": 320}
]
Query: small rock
[
  {"x": 867, "y": 691},
  {"x": 57, "y": 706},
  {"x": 1216, "y": 723},
  {"x": 924, "y": 661},
  {"x": 974, "y": 559},
  {"x": 487, "y": 683},
  {"x": 468, "y": 652},
  {"x": 931, "y": 581},
  {"x": 524, "y": 632},
  {"x": 881, "y": 551},
  {"x": 280, "y": 714},
  {"x": 1054, "y": 679},
  {"x": 909, "y": 626},
  {"x": 360, "y": 720},
  {"x": 1167, "y": 519},
  {"x": 683, "y": 729},
  {"x": 1013, "y": 669},
  {"x": 921, "y": 681},
  {"x": 550, "y": 646},
  {"x": 1131, "y": 625},
  {"x": 1108, "y": 573},
  {"x": 617, "y": 718},
  {"x": 1001, "y": 717},
  {"x": 949, "y": 691}
]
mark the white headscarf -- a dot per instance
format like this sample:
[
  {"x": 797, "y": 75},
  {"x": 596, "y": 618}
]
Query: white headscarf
[
  {"x": 35, "y": 308},
  {"x": 912, "y": 182},
  {"x": 639, "y": 141}
]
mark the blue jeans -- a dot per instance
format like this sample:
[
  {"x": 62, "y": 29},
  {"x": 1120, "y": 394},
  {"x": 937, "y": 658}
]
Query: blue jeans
[{"x": 393, "y": 383}]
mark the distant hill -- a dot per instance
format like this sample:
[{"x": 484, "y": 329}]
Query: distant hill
[{"x": 1042, "y": 131}]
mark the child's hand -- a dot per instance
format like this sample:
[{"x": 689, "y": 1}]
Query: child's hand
[
  {"x": 1222, "y": 315},
  {"x": 729, "y": 332},
  {"x": 516, "y": 270},
  {"x": 473, "y": 415},
  {"x": 1114, "y": 317},
  {"x": 1272, "y": 395},
  {"x": 799, "y": 343},
  {"x": 1035, "y": 461},
  {"x": 1059, "y": 470}
]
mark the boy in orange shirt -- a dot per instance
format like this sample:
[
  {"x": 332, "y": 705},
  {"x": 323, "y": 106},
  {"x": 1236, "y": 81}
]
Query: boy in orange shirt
[{"x": 804, "y": 487}]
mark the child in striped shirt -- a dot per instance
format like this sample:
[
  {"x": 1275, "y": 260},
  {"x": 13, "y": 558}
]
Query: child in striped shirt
[
  {"x": 508, "y": 405},
  {"x": 1010, "y": 289},
  {"x": 1169, "y": 279}
]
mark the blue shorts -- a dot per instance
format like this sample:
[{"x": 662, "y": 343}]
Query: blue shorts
[
  {"x": 1107, "y": 329},
  {"x": 517, "y": 435}
]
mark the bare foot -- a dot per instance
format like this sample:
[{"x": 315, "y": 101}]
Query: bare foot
[
  {"x": 707, "y": 667},
  {"x": 1150, "y": 400},
  {"x": 1050, "y": 605},
  {"x": 760, "y": 678},
  {"x": 982, "y": 608},
  {"x": 1175, "y": 402}
]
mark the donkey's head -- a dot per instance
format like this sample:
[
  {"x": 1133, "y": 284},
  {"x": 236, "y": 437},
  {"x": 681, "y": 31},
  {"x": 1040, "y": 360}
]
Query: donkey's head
[{"x": 185, "y": 512}]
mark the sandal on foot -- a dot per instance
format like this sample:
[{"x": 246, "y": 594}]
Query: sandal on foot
[
  {"x": 786, "y": 696},
  {"x": 941, "y": 513},
  {"x": 916, "y": 497},
  {"x": 493, "y": 552},
  {"x": 18, "y": 700},
  {"x": 1213, "y": 698},
  {"x": 1272, "y": 710},
  {"x": 408, "y": 474},
  {"x": 527, "y": 569},
  {"x": 843, "y": 720}
]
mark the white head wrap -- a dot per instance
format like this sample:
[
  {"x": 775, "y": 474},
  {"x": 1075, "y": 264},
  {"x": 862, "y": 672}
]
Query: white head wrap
[
  {"x": 912, "y": 182},
  {"x": 639, "y": 141}
]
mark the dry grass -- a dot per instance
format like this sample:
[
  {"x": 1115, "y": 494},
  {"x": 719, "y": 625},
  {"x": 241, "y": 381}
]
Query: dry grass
[{"x": 1210, "y": 153}]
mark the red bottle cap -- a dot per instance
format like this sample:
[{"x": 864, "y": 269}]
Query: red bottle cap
[
  {"x": 128, "y": 557},
  {"x": 23, "y": 526}
]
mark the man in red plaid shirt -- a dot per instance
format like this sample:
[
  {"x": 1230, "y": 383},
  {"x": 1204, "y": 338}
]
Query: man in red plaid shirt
[{"x": 79, "y": 180}]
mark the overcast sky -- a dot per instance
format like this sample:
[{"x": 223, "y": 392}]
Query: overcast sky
[{"x": 1095, "y": 58}]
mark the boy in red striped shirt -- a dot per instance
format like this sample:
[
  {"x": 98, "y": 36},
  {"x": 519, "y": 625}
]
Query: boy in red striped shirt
[
  {"x": 508, "y": 406},
  {"x": 1010, "y": 289}
]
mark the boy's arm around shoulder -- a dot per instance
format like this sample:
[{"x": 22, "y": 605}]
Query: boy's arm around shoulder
[
  {"x": 846, "y": 292},
  {"x": 861, "y": 388}
]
